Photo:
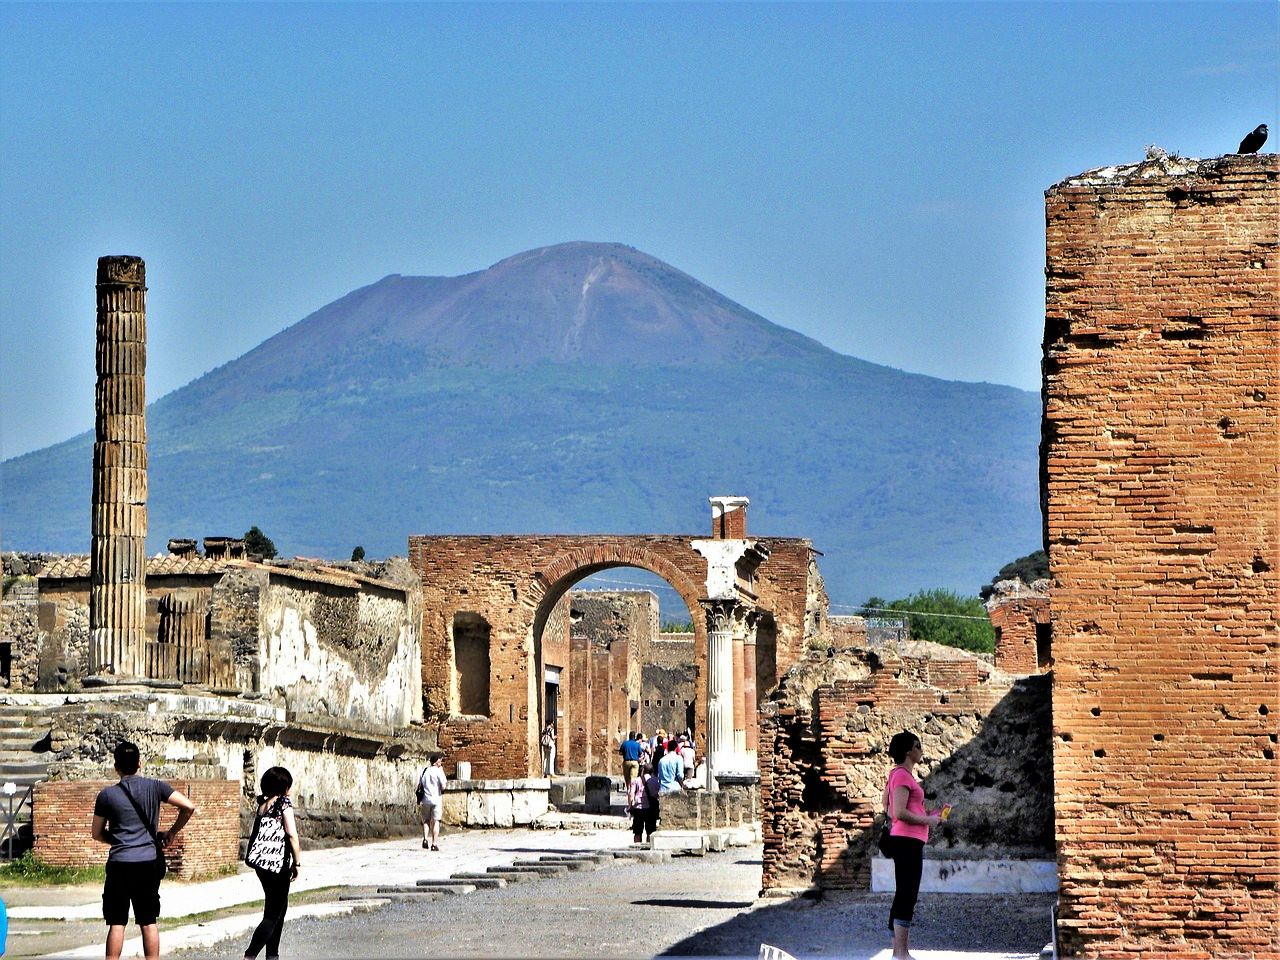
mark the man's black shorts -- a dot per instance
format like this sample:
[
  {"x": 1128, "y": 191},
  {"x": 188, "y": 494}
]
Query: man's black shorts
[{"x": 136, "y": 883}]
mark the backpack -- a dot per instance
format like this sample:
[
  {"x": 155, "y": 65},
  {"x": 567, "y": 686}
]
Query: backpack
[{"x": 269, "y": 844}]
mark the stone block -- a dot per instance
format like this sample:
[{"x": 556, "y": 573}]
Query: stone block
[
  {"x": 528, "y": 804},
  {"x": 487, "y": 808},
  {"x": 683, "y": 841}
]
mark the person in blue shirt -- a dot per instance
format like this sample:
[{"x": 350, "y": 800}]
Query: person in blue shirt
[
  {"x": 670, "y": 771},
  {"x": 632, "y": 749}
]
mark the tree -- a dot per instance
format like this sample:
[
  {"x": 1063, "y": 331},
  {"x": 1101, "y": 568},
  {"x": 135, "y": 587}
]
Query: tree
[
  {"x": 357, "y": 553},
  {"x": 941, "y": 616},
  {"x": 259, "y": 544},
  {"x": 1028, "y": 569}
]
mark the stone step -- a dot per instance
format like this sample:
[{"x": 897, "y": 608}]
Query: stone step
[
  {"x": 510, "y": 876},
  {"x": 575, "y": 866},
  {"x": 23, "y": 780},
  {"x": 532, "y": 866},
  {"x": 485, "y": 881},
  {"x": 644, "y": 855},
  {"x": 19, "y": 739},
  {"x": 452, "y": 887},
  {"x": 595, "y": 856},
  {"x": 372, "y": 895},
  {"x": 13, "y": 771}
]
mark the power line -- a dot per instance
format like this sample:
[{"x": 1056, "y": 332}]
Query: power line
[{"x": 913, "y": 613}]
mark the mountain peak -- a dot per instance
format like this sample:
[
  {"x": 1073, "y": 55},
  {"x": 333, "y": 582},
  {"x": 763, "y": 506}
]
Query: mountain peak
[{"x": 576, "y": 302}]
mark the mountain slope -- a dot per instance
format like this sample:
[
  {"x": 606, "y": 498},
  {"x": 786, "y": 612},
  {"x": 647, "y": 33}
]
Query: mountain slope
[{"x": 583, "y": 387}]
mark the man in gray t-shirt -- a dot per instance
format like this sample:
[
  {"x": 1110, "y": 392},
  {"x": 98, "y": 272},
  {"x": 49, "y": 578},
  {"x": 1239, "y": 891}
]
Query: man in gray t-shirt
[{"x": 127, "y": 816}]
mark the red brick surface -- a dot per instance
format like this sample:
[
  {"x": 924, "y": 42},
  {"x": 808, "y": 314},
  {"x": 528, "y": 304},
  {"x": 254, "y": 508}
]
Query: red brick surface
[
  {"x": 62, "y": 817},
  {"x": 1162, "y": 464},
  {"x": 1015, "y": 622}
]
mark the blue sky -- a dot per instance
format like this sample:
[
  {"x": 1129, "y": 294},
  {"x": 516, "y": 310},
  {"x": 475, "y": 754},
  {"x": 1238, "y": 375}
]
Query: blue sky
[{"x": 871, "y": 175}]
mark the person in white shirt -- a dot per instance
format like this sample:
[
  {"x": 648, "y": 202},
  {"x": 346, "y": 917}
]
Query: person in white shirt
[{"x": 431, "y": 801}]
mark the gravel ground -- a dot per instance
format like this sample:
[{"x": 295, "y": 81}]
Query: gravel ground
[{"x": 689, "y": 907}]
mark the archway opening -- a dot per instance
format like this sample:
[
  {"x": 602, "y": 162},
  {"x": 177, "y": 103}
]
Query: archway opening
[{"x": 618, "y": 655}]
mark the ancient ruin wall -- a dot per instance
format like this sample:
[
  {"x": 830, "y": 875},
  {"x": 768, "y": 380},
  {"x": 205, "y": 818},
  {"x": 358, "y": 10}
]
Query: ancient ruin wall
[
  {"x": 350, "y": 653},
  {"x": 507, "y": 579},
  {"x": 824, "y": 760},
  {"x": 1161, "y": 462}
]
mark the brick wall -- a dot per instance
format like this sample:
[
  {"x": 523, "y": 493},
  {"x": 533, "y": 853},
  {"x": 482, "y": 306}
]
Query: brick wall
[
  {"x": 62, "y": 817},
  {"x": 1016, "y": 621},
  {"x": 824, "y": 761},
  {"x": 1161, "y": 462}
]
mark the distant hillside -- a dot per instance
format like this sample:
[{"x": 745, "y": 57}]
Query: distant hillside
[{"x": 577, "y": 388}]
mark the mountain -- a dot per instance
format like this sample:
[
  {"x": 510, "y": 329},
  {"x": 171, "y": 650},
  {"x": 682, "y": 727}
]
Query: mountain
[{"x": 576, "y": 388}]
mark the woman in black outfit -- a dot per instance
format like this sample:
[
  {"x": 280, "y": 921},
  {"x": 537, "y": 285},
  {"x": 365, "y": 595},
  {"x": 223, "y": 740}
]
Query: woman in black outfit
[{"x": 281, "y": 871}]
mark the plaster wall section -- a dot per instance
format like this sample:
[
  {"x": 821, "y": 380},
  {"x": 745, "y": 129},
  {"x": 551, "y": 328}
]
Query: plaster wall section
[
  {"x": 336, "y": 652},
  {"x": 1161, "y": 470}
]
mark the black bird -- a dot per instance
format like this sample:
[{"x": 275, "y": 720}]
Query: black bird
[{"x": 1254, "y": 141}]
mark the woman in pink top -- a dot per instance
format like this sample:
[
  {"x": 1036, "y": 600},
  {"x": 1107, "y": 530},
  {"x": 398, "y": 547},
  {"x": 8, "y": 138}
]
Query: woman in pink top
[{"x": 904, "y": 800}]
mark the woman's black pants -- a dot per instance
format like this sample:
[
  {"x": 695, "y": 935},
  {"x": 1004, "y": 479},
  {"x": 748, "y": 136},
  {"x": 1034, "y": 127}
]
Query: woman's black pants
[
  {"x": 275, "y": 890},
  {"x": 908, "y": 863}
]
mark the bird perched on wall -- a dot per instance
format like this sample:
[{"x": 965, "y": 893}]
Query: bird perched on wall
[{"x": 1254, "y": 141}]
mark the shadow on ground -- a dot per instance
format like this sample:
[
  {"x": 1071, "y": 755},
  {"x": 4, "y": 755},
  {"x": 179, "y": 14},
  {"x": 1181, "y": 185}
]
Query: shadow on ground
[{"x": 856, "y": 925}]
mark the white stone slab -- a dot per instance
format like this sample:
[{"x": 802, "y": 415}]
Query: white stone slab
[{"x": 973, "y": 876}]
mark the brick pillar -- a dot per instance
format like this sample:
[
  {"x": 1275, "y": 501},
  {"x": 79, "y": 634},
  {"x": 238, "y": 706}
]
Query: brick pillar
[
  {"x": 729, "y": 518},
  {"x": 118, "y": 526},
  {"x": 750, "y": 707},
  {"x": 1159, "y": 462},
  {"x": 578, "y": 704},
  {"x": 739, "y": 695},
  {"x": 598, "y": 758}
]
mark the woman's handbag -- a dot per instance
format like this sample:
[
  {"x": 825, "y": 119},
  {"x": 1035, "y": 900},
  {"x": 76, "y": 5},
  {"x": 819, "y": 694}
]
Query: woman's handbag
[
  {"x": 886, "y": 839},
  {"x": 268, "y": 843}
]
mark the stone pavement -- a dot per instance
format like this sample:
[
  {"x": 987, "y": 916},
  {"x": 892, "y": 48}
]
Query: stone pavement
[{"x": 683, "y": 906}]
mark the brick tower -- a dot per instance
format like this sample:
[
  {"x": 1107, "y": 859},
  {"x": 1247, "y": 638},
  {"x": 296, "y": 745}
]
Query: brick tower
[
  {"x": 117, "y": 556},
  {"x": 1161, "y": 467}
]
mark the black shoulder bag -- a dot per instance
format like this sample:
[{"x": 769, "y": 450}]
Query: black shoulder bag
[{"x": 146, "y": 823}]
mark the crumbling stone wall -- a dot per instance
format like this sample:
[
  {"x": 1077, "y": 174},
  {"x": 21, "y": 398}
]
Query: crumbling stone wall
[
  {"x": 668, "y": 688},
  {"x": 824, "y": 760},
  {"x": 322, "y": 641},
  {"x": 351, "y": 780},
  {"x": 1161, "y": 467},
  {"x": 20, "y": 633}
]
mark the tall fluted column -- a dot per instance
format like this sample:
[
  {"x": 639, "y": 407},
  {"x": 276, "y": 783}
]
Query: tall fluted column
[
  {"x": 117, "y": 556},
  {"x": 719, "y": 688}
]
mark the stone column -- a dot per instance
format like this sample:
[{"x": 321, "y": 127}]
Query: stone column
[
  {"x": 719, "y": 615},
  {"x": 117, "y": 556}
]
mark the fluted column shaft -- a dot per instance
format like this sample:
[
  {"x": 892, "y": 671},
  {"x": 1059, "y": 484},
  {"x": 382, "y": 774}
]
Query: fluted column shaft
[
  {"x": 118, "y": 526},
  {"x": 719, "y": 688}
]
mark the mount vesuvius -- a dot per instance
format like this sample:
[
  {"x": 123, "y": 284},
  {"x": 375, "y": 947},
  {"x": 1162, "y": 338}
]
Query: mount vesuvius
[{"x": 577, "y": 388}]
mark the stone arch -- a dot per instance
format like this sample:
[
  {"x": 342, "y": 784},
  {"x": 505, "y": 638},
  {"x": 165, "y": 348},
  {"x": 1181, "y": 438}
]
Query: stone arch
[{"x": 555, "y": 579}]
